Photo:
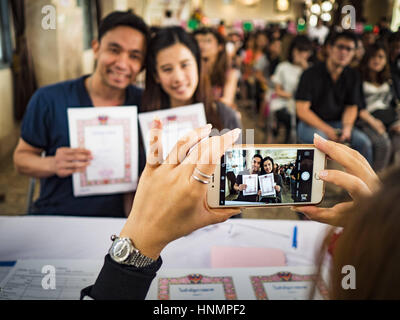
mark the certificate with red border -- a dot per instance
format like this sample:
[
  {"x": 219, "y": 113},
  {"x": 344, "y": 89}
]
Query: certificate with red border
[
  {"x": 111, "y": 134},
  {"x": 176, "y": 122}
]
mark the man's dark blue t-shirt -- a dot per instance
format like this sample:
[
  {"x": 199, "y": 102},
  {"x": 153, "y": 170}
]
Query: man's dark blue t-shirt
[{"x": 45, "y": 126}]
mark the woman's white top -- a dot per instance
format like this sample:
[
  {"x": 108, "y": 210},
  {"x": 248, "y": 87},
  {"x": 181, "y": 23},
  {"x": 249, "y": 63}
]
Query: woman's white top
[
  {"x": 287, "y": 75},
  {"x": 377, "y": 98}
]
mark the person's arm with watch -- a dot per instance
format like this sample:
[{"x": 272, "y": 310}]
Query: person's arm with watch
[{"x": 134, "y": 257}]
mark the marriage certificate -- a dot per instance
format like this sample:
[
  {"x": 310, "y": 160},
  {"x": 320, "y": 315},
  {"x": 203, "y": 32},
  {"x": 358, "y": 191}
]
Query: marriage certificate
[
  {"x": 176, "y": 122},
  {"x": 111, "y": 135},
  {"x": 267, "y": 185}
]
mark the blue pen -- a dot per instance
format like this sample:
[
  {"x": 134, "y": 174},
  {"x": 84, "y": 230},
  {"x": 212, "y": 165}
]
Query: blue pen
[{"x": 294, "y": 241}]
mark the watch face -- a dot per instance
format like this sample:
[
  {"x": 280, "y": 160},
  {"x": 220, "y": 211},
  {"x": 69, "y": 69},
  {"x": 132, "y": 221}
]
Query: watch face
[{"x": 120, "y": 250}]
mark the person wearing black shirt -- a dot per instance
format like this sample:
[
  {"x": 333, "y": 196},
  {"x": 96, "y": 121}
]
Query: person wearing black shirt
[
  {"x": 328, "y": 95},
  {"x": 267, "y": 168},
  {"x": 239, "y": 186}
]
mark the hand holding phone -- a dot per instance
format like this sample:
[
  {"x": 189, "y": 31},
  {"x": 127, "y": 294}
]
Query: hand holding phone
[{"x": 359, "y": 180}]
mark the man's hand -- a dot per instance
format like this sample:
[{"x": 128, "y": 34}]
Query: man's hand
[
  {"x": 346, "y": 134},
  {"x": 331, "y": 133},
  {"x": 242, "y": 187},
  {"x": 379, "y": 127},
  {"x": 68, "y": 161}
]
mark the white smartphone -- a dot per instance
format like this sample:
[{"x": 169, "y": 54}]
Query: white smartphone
[{"x": 268, "y": 175}]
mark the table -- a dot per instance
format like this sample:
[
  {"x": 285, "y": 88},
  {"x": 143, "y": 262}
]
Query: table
[{"x": 89, "y": 238}]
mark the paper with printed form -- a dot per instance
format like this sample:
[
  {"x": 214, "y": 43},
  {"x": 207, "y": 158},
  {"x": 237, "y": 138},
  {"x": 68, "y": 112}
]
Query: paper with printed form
[
  {"x": 49, "y": 279},
  {"x": 271, "y": 283},
  {"x": 176, "y": 122},
  {"x": 252, "y": 184},
  {"x": 111, "y": 134},
  {"x": 267, "y": 185}
]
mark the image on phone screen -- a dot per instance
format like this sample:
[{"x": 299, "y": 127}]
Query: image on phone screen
[{"x": 266, "y": 177}]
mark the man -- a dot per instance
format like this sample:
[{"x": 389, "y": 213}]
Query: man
[
  {"x": 327, "y": 98},
  {"x": 239, "y": 186},
  {"x": 119, "y": 53}
]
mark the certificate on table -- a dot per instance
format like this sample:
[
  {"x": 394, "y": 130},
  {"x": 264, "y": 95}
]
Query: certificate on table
[
  {"x": 252, "y": 184},
  {"x": 176, "y": 123},
  {"x": 111, "y": 134},
  {"x": 270, "y": 283},
  {"x": 267, "y": 185}
]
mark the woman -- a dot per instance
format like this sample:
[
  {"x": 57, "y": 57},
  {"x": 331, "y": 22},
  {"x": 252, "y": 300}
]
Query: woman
[
  {"x": 174, "y": 78},
  {"x": 286, "y": 79},
  {"x": 369, "y": 241},
  {"x": 267, "y": 167},
  {"x": 224, "y": 79},
  {"x": 378, "y": 116}
]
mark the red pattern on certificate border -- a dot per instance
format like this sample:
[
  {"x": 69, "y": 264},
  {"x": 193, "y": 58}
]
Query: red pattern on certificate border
[
  {"x": 175, "y": 118},
  {"x": 101, "y": 121},
  {"x": 259, "y": 290},
  {"x": 165, "y": 283}
]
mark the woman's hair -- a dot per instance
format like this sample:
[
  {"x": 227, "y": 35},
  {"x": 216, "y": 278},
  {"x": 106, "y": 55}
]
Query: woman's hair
[
  {"x": 369, "y": 243},
  {"x": 301, "y": 43},
  {"x": 154, "y": 97},
  {"x": 371, "y": 51},
  {"x": 256, "y": 35},
  {"x": 219, "y": 70},
  {"x": 265, "y": 160}
]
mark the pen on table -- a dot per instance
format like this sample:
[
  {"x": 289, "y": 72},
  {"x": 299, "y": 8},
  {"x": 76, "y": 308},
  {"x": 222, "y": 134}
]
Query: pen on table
[{"x": 294, "y": 240}]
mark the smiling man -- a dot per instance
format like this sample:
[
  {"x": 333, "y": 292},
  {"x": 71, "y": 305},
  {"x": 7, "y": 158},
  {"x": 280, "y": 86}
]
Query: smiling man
[{"x": 119, "y": 53}]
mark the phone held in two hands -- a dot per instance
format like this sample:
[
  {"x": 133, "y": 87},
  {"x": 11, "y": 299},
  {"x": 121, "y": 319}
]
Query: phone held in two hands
[{"x": 268, "y": 176}]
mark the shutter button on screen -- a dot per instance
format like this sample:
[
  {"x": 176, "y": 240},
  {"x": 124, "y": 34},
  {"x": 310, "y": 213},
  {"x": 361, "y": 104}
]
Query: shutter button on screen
[{"x": 305, "y": 176}]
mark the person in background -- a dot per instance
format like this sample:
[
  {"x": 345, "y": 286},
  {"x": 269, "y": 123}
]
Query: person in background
[
  {"x": 119, "y": 52},
  {"x": 379, "y": 118},
  {"x": 224, "y": 79},
  {"x": 174, "y": 78},
  {"x": 286, "y": 79},
  {"x": 327, "y": 98},
  {"x": 274, "y": 54},
  {"x": 358, "y": 56},
  {"x": 319, "y": 32},
  {"x": 230, "y": 172}
]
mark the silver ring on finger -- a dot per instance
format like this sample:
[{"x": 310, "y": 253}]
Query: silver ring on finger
[
  {"x": 202, "y": 174},
  {"x": 200, "y": 180}
]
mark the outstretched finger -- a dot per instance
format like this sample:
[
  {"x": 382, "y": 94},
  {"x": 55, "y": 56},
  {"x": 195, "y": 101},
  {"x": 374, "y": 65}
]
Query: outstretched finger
[
  {"x": 353, "y": 185},
  {"x": 155, "y": 154},
  {"x": 351, "y": 160}
]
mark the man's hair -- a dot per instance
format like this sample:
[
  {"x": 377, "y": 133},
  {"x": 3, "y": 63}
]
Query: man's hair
[
  {"x": 258, "y": 156},
  {"x": 348, "y": 35},
  {"x": 123, "y": 18}
]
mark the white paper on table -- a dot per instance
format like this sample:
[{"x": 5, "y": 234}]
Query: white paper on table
[
  {"x": 252, "y": 184},
  {"x": 25, "y": 280},
  {"x": 176, "y": 123},
  {"x": 271, "y": 283},
  {"x": 267, "y": 185},
  {"x": 111, "y": 134}
]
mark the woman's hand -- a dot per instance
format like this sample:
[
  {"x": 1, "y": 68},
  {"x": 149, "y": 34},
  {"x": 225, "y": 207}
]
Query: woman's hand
[
  {"x": 169, "y": 202},
  {"x": 359, "y": 180},
  {"x": 277, "y": 188}
]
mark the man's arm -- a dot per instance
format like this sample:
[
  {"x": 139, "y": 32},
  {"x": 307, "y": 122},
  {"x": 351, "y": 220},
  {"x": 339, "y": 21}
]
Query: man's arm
[
  {"x": 348, "y": 119},
  {"x": 308, "y": 116},
  {"x": 28, "y": 161}
]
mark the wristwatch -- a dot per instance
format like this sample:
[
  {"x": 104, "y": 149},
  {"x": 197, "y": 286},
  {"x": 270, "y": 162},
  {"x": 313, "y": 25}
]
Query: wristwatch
[{"x": 124, "y": 252}]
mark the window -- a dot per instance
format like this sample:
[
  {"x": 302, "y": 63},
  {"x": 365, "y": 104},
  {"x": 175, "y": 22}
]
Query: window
[
  {"x": 5, "y": 36},
  {"x": 89, "y": 22}
]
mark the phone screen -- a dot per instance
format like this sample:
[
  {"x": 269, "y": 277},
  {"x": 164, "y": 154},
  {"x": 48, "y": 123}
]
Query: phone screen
[{"x": 258, "y": 177}]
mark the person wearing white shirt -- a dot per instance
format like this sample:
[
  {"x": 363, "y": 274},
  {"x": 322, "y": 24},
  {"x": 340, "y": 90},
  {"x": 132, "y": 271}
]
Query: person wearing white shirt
[{"x": 286, "y": 79}]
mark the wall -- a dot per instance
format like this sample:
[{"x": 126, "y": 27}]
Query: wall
[
  {"x": 231, "y": 12},
  {"x": 8, "y": 127}
]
